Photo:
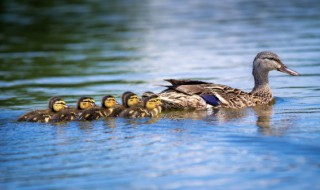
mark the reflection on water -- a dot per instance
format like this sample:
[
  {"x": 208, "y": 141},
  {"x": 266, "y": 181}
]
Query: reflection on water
[
  {"x": 93, "y": 48},
  {"x": 263, "y": 117}
]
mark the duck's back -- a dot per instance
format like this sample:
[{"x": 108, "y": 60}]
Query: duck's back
[
  {"x": 134, "y": 112},
  {"x": 187, "y": 94},
  {"x": 37, "y": 116},
  {"x": 94, "y": 113},
  {"x": 117, "y": 110},
  {"x": 68, "y": 114}
]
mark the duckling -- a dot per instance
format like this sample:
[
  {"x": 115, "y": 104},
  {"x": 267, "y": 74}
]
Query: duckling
[
  {"x": 158, "y": 108},
  {"x": 71, "y": 114},
  {"x": 199, "y": 95},
  {"x": 56, "y": 104},
  {"x": 129, "y": 99},
  {"x": 151, "y": 108},
  {"x": 107, "y": 105}
]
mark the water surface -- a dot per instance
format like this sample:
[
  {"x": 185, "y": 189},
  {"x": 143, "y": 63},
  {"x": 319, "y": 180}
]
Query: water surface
[{"x": 93, "y": 48}]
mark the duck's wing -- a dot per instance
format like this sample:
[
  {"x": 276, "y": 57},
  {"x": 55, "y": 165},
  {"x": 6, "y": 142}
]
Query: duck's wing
[
  {"x": 42, "y": 116},
  {"x": 156, "y": 111},
  {"x": 227, "y": 97},
  {"x": 94, "y": 114},
  {"x": 68, "y": 114},
  {"x": 185, "y": 81},
  {"x": 135, "y": 112},
  {"x": 215, "y": 95},
  {"x": 26, "y": 116},
  {"x": 90, "y": 114},
  {"x": 117, "y": 110}
]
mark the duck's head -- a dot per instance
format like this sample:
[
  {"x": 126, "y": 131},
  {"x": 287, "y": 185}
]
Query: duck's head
[
  {"x": 56, "y": 104},
  {"x": 267, "y": 61},
  {"x": 147, "y": 94},
  {"x": 152, "y": 102},
  {"x": 108, "y": 101},
  {"x": 129, "y": 99},
  {"x": 85, "y": 103}
]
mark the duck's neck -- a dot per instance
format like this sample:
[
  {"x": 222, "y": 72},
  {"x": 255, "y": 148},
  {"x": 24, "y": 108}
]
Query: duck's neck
[{"x": 261, "y": 84}]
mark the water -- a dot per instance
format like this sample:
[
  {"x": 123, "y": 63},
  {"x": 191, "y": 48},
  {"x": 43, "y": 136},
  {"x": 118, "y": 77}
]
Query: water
[{"x": 71, "y": 49}]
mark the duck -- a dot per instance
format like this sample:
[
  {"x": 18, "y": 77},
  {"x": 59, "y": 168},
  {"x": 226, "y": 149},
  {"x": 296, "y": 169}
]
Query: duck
[
  {"x": 151, "y": 107},
  {"x": 107, "y": 105},
  {"x": 128, "y": 99},
  {"x": 56, "y": 104},
  {"x": 200, "y": 95},
  {"x": 158, "y": 109},
  {"x": 71, "y": 114}
]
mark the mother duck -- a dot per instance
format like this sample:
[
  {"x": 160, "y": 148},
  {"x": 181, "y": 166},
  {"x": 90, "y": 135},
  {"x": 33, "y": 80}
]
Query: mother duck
[{"x": 199, "y": 95}]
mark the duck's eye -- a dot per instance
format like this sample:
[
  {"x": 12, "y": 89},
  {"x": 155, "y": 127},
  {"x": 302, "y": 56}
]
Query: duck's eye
[{"x": 272, "y": 59}]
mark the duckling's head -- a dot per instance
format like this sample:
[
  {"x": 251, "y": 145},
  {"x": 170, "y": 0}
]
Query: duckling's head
[
  {"x": 152, "y": 102},
  {"x": 267, "y": 61},
  {"x": 56, "y": 104},
  {"x": 85, "y": 103},
  {"x": 129, "y": 99},
  {"x": 108, "y": 101},
  {"x": 147, "y": 94}
]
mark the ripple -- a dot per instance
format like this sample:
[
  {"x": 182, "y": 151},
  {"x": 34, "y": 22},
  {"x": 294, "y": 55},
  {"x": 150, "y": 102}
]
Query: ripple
[{"x": 89, "y": 48}]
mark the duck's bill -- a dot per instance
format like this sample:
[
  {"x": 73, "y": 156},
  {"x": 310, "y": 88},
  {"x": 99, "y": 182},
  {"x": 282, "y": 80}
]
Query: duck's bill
[{"x": 287, "y": 70}]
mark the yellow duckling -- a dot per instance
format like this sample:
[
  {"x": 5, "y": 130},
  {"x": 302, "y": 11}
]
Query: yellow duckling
[
  {"x": 56, "y": 105},
  {"x": 129, "y": 99},
  {"x": 71, "y": 114},
  {"x": 158, "y": 108},
  {"x": 107, "y": 106},
  {"x": 151, "y": 107}
]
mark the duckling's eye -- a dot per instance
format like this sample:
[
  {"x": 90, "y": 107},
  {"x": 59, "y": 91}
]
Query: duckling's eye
[
  {"x": 62, "y": 103},
  {"x": 134, "y": 97},
  {"x": 153, "y": 101}
]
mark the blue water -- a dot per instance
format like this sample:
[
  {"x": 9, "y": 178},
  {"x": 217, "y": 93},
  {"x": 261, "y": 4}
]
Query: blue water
[{"x": 71, "y": 49}]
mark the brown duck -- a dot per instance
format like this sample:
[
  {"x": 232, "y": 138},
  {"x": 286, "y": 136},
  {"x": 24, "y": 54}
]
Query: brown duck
[
  {"x": 107, "y": 106},
  {"x": 71, "y": 114},
  {"x": 151, "y": 107},
  {"x": 129, "y": 99},
  {"x": 198, "y": 95},
  {"x": 56, "y": 104}
]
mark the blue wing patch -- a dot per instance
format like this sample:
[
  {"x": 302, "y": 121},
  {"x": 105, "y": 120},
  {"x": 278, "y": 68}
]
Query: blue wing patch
[{"x": 211, "y": 99}]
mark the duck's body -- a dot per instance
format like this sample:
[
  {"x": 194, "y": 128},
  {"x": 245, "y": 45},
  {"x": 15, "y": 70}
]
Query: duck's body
[
  {"x": 106, "y": 109},
  {"x": 56, "y": 104},
  {"x": 71, "y": 114},
  {"x": 198, "y": 95},
  {"x": 151, "y": 107},
  {"x": 30, "y": 116},
  {"x": 153, "y": 111},
  {"x": 117, "y": 110},
  {"x": 68, "y": 114}
]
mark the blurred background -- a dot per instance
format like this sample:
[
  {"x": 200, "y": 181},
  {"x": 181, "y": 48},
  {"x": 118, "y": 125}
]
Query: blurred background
[
  {"x": 74, "y": 48},
  {"x": 92, "y": 48}
]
